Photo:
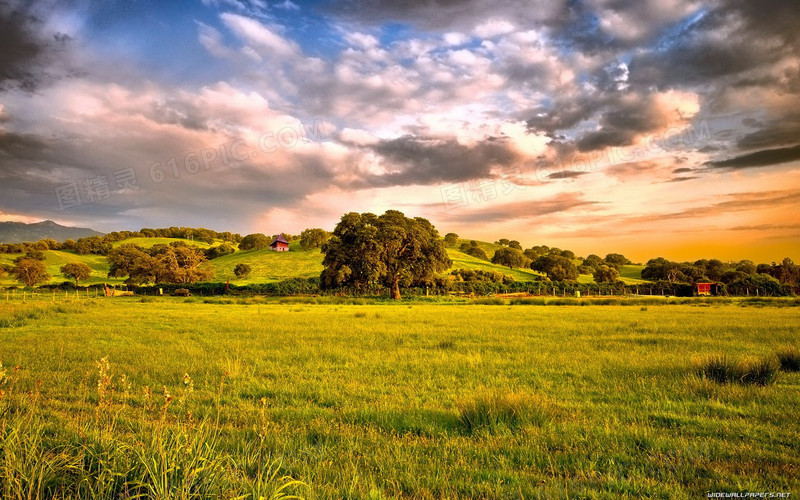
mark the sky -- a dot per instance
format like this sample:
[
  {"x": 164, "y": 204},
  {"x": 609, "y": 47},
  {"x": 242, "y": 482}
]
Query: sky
[{"x": 650, "y": 127}]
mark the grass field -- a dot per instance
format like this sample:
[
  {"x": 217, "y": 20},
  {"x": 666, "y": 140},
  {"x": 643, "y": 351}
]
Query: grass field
[
  {"x": 408, "y": 400},
  {"x": 269, "y": 266},
  {"x": 632, "y": 275}
]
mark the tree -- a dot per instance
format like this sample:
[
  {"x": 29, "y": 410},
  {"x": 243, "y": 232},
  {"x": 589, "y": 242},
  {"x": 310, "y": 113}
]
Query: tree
[
  {"x": 390, "y": 249},
  {"x": 746, "y": 266},
  {"x": 693, "y": 273},
  {"x": 787, "y": 272},
  {"x": 568, "y": 254},
  {"x": 132, "y": 261},
  {"x": 503, "y": 241},
  {"x": 594, "y": 261},
  {"x": 219, "y": 251},
  {"x": 473, "y": 250},
  {"x": 30, "y": 271},
  {"x": 183, "y": 264},
  {"x": 93, "y": 244},
  {"x": 35, "y": 255},
  {"x": 556, "y": 267},
  {"x": 733, "y": 276},
  {"x": 510, "y": 257},
  {"x": 255, "y": 241},
  {"x": 715, "y": 269},
  {"x": 606, "y": 274},
  {"x": 76, "y": 271},
  {"x": 450, "y": 239},
  {"x": 159, "y": 264},
  {"x": 617, "y": 260},
  {"x": 661, "y": 269},
  {"x": 242, "y": 271},
  {"x": 313, "y": 238},
  {"x": 515, "y": 244}
]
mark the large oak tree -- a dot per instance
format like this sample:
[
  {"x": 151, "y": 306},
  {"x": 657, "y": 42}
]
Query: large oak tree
[
  {"x": 390, "y": 249},
  {"x": 159, "y": 264}
]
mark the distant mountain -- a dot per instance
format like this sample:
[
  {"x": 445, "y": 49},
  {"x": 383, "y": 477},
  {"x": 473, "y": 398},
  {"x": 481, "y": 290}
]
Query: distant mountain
[{"x": 19, "y": 232}]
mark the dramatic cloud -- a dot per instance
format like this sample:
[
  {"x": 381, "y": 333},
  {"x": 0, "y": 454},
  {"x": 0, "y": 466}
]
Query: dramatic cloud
[
  {"x": 590, "y": 117},
  {"x": 412, "y": 160},
  {"x": 764, "y": 158},
  {"x": 29, "y": 48}
]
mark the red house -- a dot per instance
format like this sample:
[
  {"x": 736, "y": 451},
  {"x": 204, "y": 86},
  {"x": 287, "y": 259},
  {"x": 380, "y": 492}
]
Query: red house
[
  {"x": 707, "y": 288},
  {"x": 280, "y": 244}
]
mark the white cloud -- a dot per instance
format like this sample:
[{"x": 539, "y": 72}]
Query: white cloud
[
  {"x": 493, "y": 27},
  {"x": 361, "y": 40},
  {"x": 455, "y": 39},
  {"x": 265, "y": 39}
]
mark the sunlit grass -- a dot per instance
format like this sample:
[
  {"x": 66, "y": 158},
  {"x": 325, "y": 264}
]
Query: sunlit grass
[{"x": 417, "y": 400}]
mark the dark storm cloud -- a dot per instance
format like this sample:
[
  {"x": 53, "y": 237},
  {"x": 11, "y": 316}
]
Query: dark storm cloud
[
  {"x": 415, "y": 160},
  {"x": 762, "y": 158},
  {"x": 779, "y": 132},
  {"x": 25, "y": 51},
  {"x": 756, "y": 35}
]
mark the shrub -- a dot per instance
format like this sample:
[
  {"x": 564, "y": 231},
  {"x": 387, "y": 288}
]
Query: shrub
[
  {"x": 760, "y": 371},
  {"x": 242, "y": 270},
  {"x": 753, "y": 371},
  {"x": 789, "y": 358},
  {"x": 719, "y": 368}
]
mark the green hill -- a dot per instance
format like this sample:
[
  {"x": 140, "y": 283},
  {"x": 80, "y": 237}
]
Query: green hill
[
  {"x": 632, "y": 274},
  {"x": 464, "y": 261},
  {"x": 57, "y": 258},
  {"x": 268, "y": 266}
]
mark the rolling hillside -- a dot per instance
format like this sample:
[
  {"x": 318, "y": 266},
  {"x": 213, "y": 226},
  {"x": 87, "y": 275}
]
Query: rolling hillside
[
  {"x": 57, "y": 258},
  {"x": 268, "y": 266}
]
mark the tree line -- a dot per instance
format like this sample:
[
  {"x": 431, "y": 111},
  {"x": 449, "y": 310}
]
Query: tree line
[{"x": 367, "y": 251}]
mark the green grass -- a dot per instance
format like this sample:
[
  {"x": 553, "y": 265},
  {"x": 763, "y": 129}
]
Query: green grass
[
  {"x": 464, "y": 261},
  {"x": 632, "y": 274},
  {"x": 57, "y": 258},
  {"x": 400, "y": 400},
  {"x": 269, "y": 266}
]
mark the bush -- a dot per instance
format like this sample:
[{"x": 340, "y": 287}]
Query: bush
[
  {"x": 255, "y": 241},
  {"x": 242, "y": 270},
  {"x": 754, "y": 371},
  {"x": 719, "y": 368},
  {"x": 760, "y": 371},
  {"x": 789, "y": 358}
]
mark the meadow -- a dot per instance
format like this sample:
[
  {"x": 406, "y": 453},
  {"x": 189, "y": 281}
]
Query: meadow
[{"x": 249, "y": 398}]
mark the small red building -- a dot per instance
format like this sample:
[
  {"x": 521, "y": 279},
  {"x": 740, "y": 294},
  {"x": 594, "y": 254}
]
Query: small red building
[
  {"x": 706, "y": 288},
  {"x": 280, "y": 244}
]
